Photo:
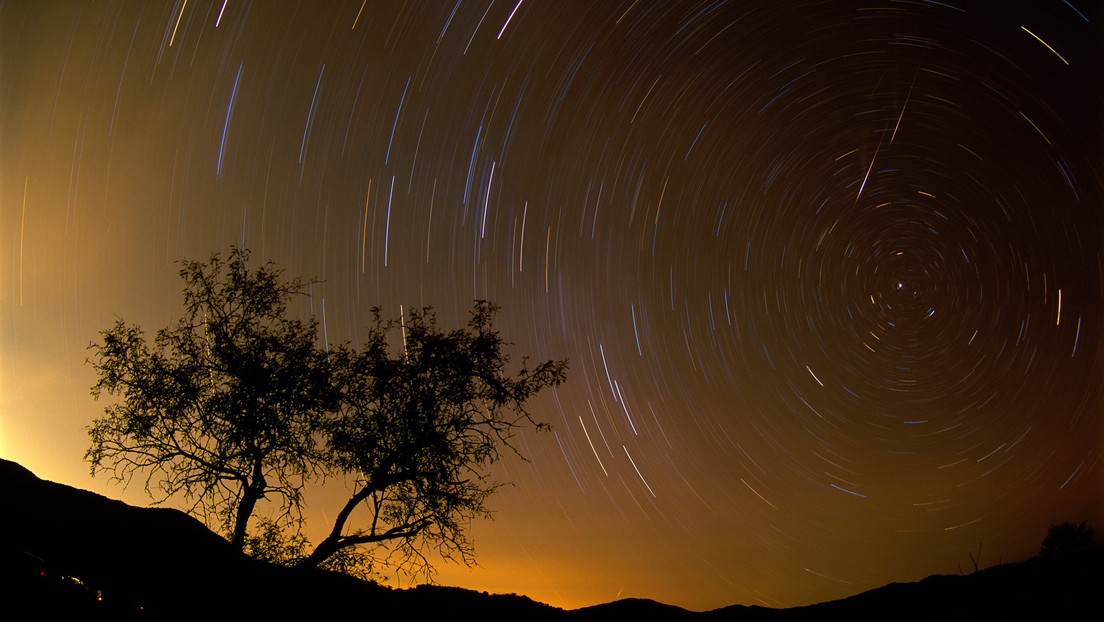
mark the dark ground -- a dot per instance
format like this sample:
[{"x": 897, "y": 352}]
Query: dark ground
[{"x": 69, "y": 553}]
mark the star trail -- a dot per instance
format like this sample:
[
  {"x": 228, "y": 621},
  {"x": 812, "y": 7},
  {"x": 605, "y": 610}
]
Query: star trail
[{"x": 828, "y": 275}]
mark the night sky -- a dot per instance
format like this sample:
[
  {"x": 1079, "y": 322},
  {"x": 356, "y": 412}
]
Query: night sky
[{"x": 828, "y": 274}]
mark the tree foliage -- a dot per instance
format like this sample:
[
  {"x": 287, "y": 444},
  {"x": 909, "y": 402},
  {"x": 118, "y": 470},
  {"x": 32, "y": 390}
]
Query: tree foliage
[
  {"x": 276, "y": 544},
  {"x": 270, "y": 542},
  {"x": 1067, "y": 538},
  {"x": 237, "y": 403},
  {"x": 417, "y": 428},
  {"x": 222, "y": 407}
]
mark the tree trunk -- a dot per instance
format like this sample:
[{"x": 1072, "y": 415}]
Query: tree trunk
[
  {"x": 331, "y": 544},
  {"x": 321, "y": 553},
  {"x": 250, "y": 495}
]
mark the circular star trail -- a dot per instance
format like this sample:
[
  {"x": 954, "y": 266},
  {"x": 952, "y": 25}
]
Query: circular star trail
[{"x": 828, "y": 275}]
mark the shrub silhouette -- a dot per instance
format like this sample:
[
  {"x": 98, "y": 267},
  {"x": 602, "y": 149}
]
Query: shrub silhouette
[
  {"x": 275, "y": 544},
  {"x": 1067, "y": 538},
  {"x": 270, "y": 543}
]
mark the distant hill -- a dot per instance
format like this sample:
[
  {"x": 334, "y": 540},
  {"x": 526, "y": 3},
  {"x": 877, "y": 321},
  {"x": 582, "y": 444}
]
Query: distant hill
[
  {"x": 159, "y": 563},
  {"x": 66, "y": 552}
]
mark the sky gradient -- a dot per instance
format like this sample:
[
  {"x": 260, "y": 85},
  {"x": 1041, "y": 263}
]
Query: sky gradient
[{"x": 828, "y": 274}]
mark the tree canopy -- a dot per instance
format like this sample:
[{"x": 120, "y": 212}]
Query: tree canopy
[
  {"x": 238, "y": 403},
  {"x": 223, "y": 408},
  {"x": 416, "y": 428},
  {"x": 1067, "y": 538}
]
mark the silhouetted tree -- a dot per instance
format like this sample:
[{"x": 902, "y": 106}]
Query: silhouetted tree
[
  {"x": 237, "y": 403},
  {"x": 416, "y": 430},
  {"x": 1067, "y": 538},
  {"x": 224, "y": 407}
]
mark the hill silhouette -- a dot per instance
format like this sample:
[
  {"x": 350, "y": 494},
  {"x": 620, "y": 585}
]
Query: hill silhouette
[{"x": 70, "y": 552}]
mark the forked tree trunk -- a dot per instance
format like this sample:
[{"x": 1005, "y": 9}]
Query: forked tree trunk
[
  {"x": 332, "y": 543},
  {"x": 321, "y": 553}
]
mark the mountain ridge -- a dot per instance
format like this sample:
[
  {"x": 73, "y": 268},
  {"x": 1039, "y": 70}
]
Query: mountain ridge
[{"x": 67, "y": 550}]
